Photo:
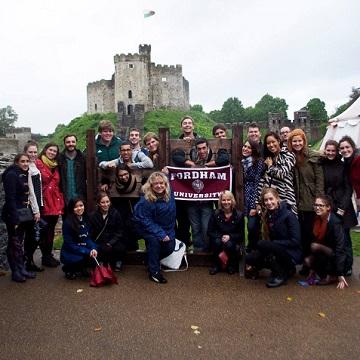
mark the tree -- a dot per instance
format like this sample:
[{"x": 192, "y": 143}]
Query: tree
[
  {"x": 8, "y": 117},
  {"x": 197, "y": 107},
  {"x": 232, "y": 111},
  {"x": 317, "y": 110},
  {"x": 270, "y": 104},
  {"x": 355, "y": 94}
]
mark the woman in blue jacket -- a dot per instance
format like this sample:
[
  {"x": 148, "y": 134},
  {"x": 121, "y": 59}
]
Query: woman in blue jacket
[
  {"x": 77, "y": 247},
  {"x": 283, "y": 249},
  {"x": 155, "y": 216}
]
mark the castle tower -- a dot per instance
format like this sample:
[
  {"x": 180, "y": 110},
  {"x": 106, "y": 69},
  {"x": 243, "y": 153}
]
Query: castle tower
[{"x": 132, "y": 79}]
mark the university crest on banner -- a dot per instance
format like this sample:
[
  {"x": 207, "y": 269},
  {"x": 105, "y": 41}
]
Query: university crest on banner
[{"x": 200, "y": 183}]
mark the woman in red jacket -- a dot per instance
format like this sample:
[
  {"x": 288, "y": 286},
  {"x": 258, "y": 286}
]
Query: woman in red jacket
[{"x": 52, "y": 198}]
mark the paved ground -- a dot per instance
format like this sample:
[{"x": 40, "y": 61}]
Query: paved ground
[{"x": 47, "y": 318}]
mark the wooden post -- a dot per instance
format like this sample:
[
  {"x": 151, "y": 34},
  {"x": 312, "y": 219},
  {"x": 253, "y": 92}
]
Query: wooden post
[
  {"x": 236, "y": 147},
  {"x": 164, "y": 153},
  {"x": 91, "y": 169}
]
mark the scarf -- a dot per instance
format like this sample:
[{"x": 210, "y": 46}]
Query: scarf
[
  {"x": 319, "y": 229},
  {"x": 52, "y": 164},
  {"x": 33, "y": 170},
  {"x": 125, "y": 188},
  {"x": 247, "y": 162}
]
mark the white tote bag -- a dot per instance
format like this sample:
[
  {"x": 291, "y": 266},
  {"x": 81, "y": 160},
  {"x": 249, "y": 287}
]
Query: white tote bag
[{"x": 173, "y": 261}]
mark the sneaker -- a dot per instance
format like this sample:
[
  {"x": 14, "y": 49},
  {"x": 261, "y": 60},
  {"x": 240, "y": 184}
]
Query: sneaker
[
  {"x": 275, "y": 281},
  {"x": 158, "y": 278},
  {"x": 118, "y": 266},
  {"x": 50, "y": 261}
]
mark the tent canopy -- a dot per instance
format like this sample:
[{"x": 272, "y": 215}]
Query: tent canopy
[{"x": 347, "y": 123}]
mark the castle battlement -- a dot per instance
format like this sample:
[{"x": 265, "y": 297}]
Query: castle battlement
[{"x": 101, "y": 83}]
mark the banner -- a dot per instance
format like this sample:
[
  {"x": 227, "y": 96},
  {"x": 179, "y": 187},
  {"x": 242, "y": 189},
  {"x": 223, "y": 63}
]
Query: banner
[{"x": 202, "y": 184}]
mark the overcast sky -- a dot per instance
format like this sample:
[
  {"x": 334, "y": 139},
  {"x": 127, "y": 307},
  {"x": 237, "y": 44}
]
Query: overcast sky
[{"x": 297, "y": 50}]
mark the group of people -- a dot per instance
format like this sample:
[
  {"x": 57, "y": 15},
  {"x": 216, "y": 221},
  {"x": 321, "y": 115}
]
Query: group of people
[{"x": 297, "y": 203}]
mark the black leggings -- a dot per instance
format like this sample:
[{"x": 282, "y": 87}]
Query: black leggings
[{"x": 272, "y": 256}]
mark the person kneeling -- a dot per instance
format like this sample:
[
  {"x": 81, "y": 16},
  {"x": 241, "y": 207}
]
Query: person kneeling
[
  {"x": 77, "y": 248},
  {"x": 226, "y": 233},
  {"x": 155, "y": 216},
  {"x": 328, "y": 254},
  {"x": 283, "y": 249},
  {"x": 107, "y": 230}
]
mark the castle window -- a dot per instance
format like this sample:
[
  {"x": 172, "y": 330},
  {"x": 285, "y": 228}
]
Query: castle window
[
  {"x": 130, "y": 94},
  {"x": 130, "y": 109},
  {"x": 131, "y": 66},
  {"x": 163, "y": 79},
  {"x": 95, "y": 107}
]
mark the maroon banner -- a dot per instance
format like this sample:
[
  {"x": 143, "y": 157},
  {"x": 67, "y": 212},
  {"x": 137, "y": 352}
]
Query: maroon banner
[{"x": 199, "y": 183}]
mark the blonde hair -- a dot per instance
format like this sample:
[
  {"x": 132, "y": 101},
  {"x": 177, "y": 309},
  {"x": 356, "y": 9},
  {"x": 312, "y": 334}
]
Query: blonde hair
[
  {"x": 271, "y": 191},
  {"x": 231, "y": 196},
  {"x": 149, "y": 193}
]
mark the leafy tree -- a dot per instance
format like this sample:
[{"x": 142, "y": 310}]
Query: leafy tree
[
  {"x": 216, "y": 116},
  {"x": 8, "y": 117},
  {"x": 197, "y": 107},
  {"x": 270, "y": 104},
  {"x": 317, "y": 110},
  {"x": 232, "y": 111},
  {"x": 355, "y": 94}
]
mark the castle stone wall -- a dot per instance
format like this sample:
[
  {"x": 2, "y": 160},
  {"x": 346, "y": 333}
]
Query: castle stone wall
[
  {"x": 100, "y": 97},
  {"x": 138, "y": 81},
  {"x": 21, "y": 134}
]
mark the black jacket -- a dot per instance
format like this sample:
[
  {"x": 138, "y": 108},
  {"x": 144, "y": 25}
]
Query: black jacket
[
  {"x": 114, "y": 229},
  {"x": 80, "y": 174},
  {"x": 334, "y": 239},
  {"x": 218, "y": 226},
  {"x": 338, "y": 187},
  {"x": 179, "y": 157},
  {"x": 16, "y": 189},
  {"x": 284, "y": 230}
]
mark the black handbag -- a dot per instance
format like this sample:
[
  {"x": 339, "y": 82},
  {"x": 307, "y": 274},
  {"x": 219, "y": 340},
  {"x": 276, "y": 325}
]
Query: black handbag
[{"x": 25, "y": 214}]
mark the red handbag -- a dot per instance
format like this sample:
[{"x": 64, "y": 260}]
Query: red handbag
[
  {"x": 102, "y": 275},
  {"x": 224, "y": 259}
]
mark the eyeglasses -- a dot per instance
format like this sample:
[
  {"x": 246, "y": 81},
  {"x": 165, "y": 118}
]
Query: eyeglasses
[{"x": 321, "y": 206}]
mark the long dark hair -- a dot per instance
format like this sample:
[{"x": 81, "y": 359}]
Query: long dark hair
[
  {"x": 268, "y": 153},
  {"x": 71, "y": 217},
  {"x": 255, "y": 151},
  {"x": 49, "y": 144}
]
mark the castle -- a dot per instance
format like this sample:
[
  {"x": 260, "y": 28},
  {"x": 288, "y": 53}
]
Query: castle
[{"x": 139, "y": 84}]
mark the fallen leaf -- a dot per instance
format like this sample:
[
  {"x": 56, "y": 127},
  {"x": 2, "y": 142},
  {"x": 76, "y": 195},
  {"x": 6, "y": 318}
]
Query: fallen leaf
[
  {"x": 289, "y": 298},
  {"x": 199, "y": 347},
  {"x": 358, "y": 291},
  {"x": 321, "y": 314},
  {"x": 196, "y": 332},
  {"x": 98, "y": 328},
  {"x": 194, "y": 327},
  {"x": 79, "y": 290}
]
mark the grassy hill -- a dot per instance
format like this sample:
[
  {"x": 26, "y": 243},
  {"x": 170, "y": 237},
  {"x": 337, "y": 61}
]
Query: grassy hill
[{"x": 153, "y": 121}]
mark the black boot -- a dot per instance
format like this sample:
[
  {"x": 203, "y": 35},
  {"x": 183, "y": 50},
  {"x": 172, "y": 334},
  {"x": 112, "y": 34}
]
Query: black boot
[{"x": 31, "y": 266}]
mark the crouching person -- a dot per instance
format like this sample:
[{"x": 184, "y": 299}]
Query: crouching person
[
  {"x": 226, "y": 233},
  {"x": 328, "y": 252},
  {"x": 283, "y": 249},
  {"x": 155, "y": 216},
  {"x": 77, "y": 248},
  {"x": 107, "y": 230}
]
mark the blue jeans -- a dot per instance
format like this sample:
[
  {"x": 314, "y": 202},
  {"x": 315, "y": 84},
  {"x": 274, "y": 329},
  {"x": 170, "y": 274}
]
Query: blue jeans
[
  {"x": 157, "y": 250},
  {"x": 199, "y": 216}
]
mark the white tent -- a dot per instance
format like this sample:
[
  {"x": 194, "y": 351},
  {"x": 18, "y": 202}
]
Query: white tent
[{"x": 347, "y": 123}]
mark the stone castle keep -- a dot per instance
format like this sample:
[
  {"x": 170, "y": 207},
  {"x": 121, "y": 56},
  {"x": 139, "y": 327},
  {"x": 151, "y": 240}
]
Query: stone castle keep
[{"x": 139, "y": 85}]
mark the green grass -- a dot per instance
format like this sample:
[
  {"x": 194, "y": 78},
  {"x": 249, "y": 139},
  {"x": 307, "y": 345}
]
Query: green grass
[{"x": 355, "y": 237}]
